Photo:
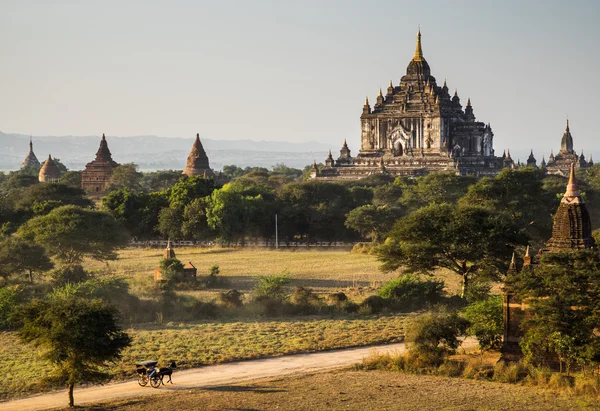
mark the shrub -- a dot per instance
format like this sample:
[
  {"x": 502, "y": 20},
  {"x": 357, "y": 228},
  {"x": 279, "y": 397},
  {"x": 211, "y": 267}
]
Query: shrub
[
  {"x": 230, "y": 299},
  {"x": 71, "y": 274},
  {"x": 200, "y": 310},
  {"x": 511, "y": 373},
  {"x": 362, "y": 248},
  {"x": 337, "y": 298},
  {"x": 373, "y": 304},
  {"x": 172, "y": 270},
  {"x": 271, "y": 287},
  {"x": 486, "y": 322},
  {"x": 213, "y": 280},
  {"x": 435, "y": 331},
  {"x": 410, "y": 292},
  {"x": 10, "y": 299}
]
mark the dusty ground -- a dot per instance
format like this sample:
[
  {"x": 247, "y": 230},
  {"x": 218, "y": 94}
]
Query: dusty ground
[{"x": 359, "y": 390}]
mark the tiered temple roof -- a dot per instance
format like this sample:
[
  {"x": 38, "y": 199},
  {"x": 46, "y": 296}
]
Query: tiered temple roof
[
  {"x": 417, "y": 128},
  {"x": 197, "y": 161},
  {"x": 98, "y": 172},
  {"x": 572, "y": 228}
]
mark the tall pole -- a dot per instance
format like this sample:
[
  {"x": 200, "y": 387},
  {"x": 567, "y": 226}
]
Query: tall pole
[{"x": 276, "y": 234}]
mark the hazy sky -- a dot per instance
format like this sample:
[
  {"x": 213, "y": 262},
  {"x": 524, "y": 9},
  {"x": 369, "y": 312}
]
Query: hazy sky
[{"x": 293, "y": 70}]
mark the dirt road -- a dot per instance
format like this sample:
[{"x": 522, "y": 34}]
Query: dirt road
[{"x": 212, "y": 376}]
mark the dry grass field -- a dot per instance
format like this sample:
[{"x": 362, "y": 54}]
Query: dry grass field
[
  {"x": 323, "y": 270},
  {"x": 192, "y": 345},
  {"x": 360, "y": 390}
]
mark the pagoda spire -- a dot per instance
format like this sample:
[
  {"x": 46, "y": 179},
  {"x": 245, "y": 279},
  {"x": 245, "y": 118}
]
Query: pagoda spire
[
  {"x": 418, "y": 50},
  {"x": 572, "y": 188}
]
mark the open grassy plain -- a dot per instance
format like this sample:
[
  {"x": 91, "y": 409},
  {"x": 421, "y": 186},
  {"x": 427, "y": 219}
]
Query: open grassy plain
[
  {"x": 192, "y": 345},
  {"x": 360, "y": 390},
  {"x": 322, "y": 269}
]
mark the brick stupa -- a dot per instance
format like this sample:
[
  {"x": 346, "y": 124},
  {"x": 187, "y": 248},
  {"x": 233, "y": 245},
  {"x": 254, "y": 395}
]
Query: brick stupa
[
  {"x": 98, "y": 172},
  {"x": 197, "y": 161},
  {"x": 572, "y": 229}
]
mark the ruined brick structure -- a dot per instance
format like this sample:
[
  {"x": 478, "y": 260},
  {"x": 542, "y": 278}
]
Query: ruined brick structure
[
  {"x": 417, "y": 128},
  {"x": 30, "y": 160},
  {"x": 197, "y": 161},
  {"x": 98, "y": 172},
  {"x": 571, "y": 231},
  {"x": 49, "y": 173}
]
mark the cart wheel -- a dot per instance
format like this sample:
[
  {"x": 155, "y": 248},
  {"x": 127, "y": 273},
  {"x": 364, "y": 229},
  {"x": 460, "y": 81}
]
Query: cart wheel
[
  {"x": 155, "y": 381},
  {"x": 142, "y": 380}
]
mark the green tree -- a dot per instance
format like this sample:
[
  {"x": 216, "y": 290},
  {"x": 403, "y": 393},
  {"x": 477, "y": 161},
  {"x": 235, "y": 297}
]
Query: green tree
[
  {"x": 71, "y": 178},
  {"x": 435, "y": 188},
  {"x": 136, "y": 211},
  {"x": 70, "y": 233},
  {"x": 371, "y": 221},
  {"x": 18, "y": 256},
  {"x": 195, "y": 224},
  {"x": 469, "y": 241},
  {"x": 46, "y": 197},
  {"x": 160, "y": 180},
  {"x": 486, "y": 322},
  {"x": 241, "y": 209},
  {"x": 521, "y": 195},
  {"x": 126, "y": 176},
  {"x": 563, "y": 295},
  {"x": 189, "y": 188},
  {"x": 79, "y": 337},
  {"x": 170, "y": 221}
]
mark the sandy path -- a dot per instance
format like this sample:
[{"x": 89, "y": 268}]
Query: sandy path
[{"x": 212, "y": 375}]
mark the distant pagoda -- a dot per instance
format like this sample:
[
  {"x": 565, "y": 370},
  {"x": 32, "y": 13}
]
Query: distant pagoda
[
  {"x": 49, "y": 173},
  {"x": 572, "y": 228},
  {"x": 30, "y": 160},
  {"x": 98, "y": 172},
  {"x": 197, "y": 161},
  {"x": 561, "y": 163}
]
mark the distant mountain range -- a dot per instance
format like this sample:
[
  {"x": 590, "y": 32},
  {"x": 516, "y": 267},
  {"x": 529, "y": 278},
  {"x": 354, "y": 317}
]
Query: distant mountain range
[{"x": 159, "y": 153}]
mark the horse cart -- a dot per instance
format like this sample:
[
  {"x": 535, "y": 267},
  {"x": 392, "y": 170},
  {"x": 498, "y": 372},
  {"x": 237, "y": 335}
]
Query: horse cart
[{"x": 148, "y": 373}]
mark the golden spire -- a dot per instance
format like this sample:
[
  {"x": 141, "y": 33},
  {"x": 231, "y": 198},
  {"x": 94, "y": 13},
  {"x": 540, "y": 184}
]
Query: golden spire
[
  {"x": 380, "y": 92},
  {"x": 527, "y": 252},
  {"x": 418, "y": 50},
  {"x": 572, "y": 189}
]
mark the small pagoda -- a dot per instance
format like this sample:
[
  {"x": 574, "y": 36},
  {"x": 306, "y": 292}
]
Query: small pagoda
[
  {"x": 98, "y": 172},
  {"x": 31, "y": 160},
  {"x": 571, "y": 232},
  {"x": 49, "y": 173},
  {"x": 197, "y": 161}
]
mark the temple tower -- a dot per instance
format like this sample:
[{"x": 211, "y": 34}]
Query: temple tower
[
  {"x": 197, "y": 161},
  {"x": 98, "y": 172},
  {"x": 30, "y": 160},
  {"x": 572, "y": 228}
]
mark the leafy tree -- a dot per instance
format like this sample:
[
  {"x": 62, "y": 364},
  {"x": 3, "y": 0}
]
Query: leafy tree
[
  {"x": 20, "y": 180},
  {"x": 371, "y": 221},
  {"x": 189, "y": 188},
  {"x": 126, "y": 176},
  {"x": 195, "y": 224},
  {"x": 520, "y": 194},
  {"x": 233, "y": 171},
  {"x": 137, "y": 212},
  {"x": 466, "y": 240},
  {"x": 563, "y": 295},
  {"x": 435, "y": 188},
  {"x": 281, "y": 168},
  {"x": 170, "y": 221},
  {"x": 160, "y": 180},
  {"x": 18, "y": 256},
  {"x": 48, "y": 196},
  {"x": 79, "y": 336},
  {"x": 241, "y": 208},
  {"x": 486, "y": 322},
  {"x": 69, "y": 234},
  {"x": 71, "y": 178},
  {"x": 172, "y": 270},
  {"x": 410, "y": 292},
  {"x": 387, "y": 195}
]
